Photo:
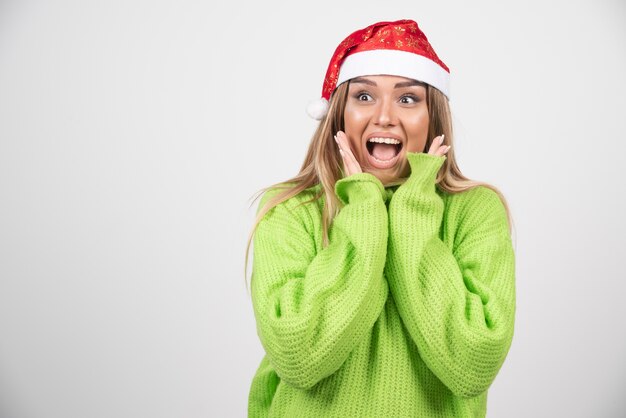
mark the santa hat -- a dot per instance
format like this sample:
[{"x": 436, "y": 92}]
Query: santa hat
[{"x": 392, "y": 48}]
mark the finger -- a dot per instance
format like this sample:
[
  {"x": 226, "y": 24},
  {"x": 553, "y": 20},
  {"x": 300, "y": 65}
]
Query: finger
[
  {"x": 350, "y": 163},
  {"x": 342, "y": 140},
  {"x": 339, "y": 138},
  {"x": 356, "y": 167},
  {"x": 337, "y": 141},
  {"x": 349, "y": 166},
  {"x": 341, "y": 151},
  {"x": 434, "y": 145},
  {"x": 344, "y": 157},
  {"x": 439, "y": 148},
  {"x": 346, "y": 165},
  {"x": 443, "y": 150},
  {"x": 349, "y": 158},
  {"x": 354, "y": 164}
]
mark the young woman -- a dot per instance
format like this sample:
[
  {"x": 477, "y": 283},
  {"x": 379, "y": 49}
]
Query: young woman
[{"x": 383, "y": 280}]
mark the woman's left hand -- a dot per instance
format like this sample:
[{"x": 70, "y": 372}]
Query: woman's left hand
[{"x": 436, "y": 147}]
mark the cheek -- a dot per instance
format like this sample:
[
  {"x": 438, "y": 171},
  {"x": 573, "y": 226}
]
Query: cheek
[
  {"x": 417, "y": 131},
  {"x": 355, "y": 121},
  {"x": 355, "y": 118}
]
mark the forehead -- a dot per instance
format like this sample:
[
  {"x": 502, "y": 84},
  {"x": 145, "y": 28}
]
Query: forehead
[{"x": 387, "y": 80}]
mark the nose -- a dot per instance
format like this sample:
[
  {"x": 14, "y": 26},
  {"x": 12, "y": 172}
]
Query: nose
[{"x": 385, "y": 115}]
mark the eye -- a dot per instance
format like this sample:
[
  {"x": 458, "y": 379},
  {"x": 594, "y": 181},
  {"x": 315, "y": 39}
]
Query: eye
[
  {"x": 409, "y": 99},
  {"x": 363, "y": 96}
]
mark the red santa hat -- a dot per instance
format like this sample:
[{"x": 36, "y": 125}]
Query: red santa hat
[{"x": 392, "y": 48}]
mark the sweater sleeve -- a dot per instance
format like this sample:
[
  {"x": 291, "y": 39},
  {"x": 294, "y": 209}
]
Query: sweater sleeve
[
  {"x": 457, "y": 304},
  {"x": 313, "y": 307}
]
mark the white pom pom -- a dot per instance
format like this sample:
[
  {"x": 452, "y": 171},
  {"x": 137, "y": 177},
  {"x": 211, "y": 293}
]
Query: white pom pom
[{"x": 317, "y": 109}]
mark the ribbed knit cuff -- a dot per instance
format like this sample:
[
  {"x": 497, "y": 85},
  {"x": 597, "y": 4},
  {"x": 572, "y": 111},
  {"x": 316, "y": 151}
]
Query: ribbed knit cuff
[
  {"x": 424, "y": 168},
  {"x": 359, "y": 186}
]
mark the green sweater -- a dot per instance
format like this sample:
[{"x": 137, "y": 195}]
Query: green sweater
[{"x": 409, "y": 312}]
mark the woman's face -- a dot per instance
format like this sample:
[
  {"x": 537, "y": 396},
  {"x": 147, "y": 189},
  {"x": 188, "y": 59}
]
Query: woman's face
[{"x": 387, "y": 108}]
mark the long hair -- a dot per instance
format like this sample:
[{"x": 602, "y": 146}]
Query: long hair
[{"x": 323, "y": 164}]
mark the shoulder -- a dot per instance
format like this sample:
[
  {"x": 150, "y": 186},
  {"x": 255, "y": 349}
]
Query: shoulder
[
  {"x": 476, "y": 208},
  {"x": 475, "y": 199},
  {"x": 292, "y": 218},
  {"x": 295, "y": 204}
]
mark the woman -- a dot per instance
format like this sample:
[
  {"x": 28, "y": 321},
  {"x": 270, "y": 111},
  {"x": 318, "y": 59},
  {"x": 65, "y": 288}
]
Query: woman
[{"x": 383, "y": 280}]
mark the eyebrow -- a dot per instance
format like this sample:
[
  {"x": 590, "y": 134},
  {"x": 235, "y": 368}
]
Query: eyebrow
[{"x": 398, "y": 85}]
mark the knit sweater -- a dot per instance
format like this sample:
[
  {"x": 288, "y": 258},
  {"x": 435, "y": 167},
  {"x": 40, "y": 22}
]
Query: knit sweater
[{"x": 408, "y": 312}]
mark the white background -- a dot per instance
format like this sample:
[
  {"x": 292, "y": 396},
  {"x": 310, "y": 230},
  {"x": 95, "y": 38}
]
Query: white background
[{"x": 133, "y": 135}]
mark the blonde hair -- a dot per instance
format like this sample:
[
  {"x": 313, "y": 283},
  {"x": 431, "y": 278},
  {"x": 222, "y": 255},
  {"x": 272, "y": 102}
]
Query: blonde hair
[{"x": 323, "y": 163}]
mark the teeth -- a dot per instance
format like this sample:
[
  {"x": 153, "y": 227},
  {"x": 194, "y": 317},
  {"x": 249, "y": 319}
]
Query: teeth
[{"x": 384, "y": 140}]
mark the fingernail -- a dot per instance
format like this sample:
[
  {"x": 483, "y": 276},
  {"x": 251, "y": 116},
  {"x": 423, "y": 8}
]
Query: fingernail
[
  {"x": 335, "y": 136},
  {"x": 441, "y": 138},
  {"x": 341, "y": 152},
  {"x": 448, "y": 149}
]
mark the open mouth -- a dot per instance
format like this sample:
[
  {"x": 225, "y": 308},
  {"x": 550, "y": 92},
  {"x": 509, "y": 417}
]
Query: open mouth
[{"x": 383, "y": 152}]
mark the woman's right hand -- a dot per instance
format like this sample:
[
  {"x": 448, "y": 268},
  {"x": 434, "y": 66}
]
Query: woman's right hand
[{"x": 350, "y": 164}]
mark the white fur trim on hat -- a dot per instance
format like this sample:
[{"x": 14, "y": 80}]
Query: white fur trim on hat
[{"x": 393, "y": 62}]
